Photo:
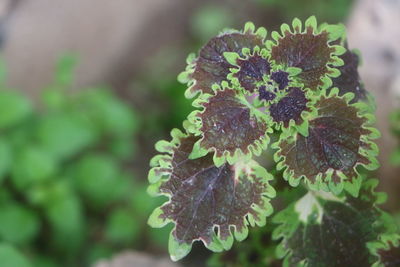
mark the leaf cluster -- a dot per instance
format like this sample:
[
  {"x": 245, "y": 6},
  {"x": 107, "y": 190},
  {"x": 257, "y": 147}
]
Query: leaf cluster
[{"x": 300, "y": 84}]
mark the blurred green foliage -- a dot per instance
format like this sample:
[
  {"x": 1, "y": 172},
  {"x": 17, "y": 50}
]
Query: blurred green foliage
[
  {"x": 69, "y": 195},
  {"x": 331, "y": 11},
  {"x": 395, "y": 127}
]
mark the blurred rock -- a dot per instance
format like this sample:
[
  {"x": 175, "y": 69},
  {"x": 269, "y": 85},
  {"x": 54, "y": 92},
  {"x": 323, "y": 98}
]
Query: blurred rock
[
  {"x": 136, "y": 259},
  {"x": 373, "y": 28}
]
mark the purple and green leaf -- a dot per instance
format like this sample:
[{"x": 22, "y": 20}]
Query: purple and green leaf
[
  {"x": 321, "y": 229},
  {"x": 338, "y": 141},
  {"x": 251, "y": 71},
  {"x": 229, "y": 126},
  {"x": 211, "y": 67},
  {"x": 290, "y": 108},
  {"x": 309, "y": 50},
  {"x": 206, "y": 203},
  {"x": 387, "y": 250}
]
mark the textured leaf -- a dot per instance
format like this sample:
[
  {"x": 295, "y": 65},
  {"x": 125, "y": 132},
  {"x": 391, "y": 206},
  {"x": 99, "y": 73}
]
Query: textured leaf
[
  {"x": 229, "y": 126},
  {"x": 307, "y": 49},
  {"x": 281, "y": 78},
  {"x": 210, "y": 66},
  {"x": 349, "y": 79},
  {"x": 251, "y": 71},
  {"x": 338, "y": 141},
  {"x": 290, "y": 107},
  {"x": 266, "y": 94},
  {"x": 206, "y": 202},
  {"x": 323, "y": 230}
]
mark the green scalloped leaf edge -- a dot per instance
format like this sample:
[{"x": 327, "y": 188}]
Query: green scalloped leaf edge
[
  {"x": 255, "y": 148},
  {"x": 232, "y": 58},
  {"x": 385, "y": 242},
  {"x": 371, "y": 154},
  {"x": 160, "y": 172},
  {"x": 184, "y": 76},
  {"x": 335, "y": 31}
]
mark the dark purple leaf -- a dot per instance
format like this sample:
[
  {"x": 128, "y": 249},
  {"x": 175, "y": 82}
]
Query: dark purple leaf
[
  {"x": 289, "y": 107},
  {"x": 265, "y": 95},
  {"x": 281, "y": 78},
  {"x": 206, "y": 200},
  {"x": 211, "y": 66},
  {"x": 308, "y": 51},
  {"x": 334, "y": 143},
  {"x": 228, "y": 125},
  {"x": 322, "y": 230},
  {"x": 349, "y": 79},
  {"x": 251, "y": 71}
]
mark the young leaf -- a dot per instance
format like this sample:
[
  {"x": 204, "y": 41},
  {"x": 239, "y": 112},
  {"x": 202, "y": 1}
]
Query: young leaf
[
  {"x": 308, "y": 50},
  {"x": 281, "y": 78},
  {"x": 321, "y": 229},
  {"x": 211, "y": 66},
  {"x": 206, "y": 202},
  {"x": 229, "y": 126},
  {"x": 289, "y": 108},
  {"x": 251, "y": 71},
  {"x": 338, "y": 141}
]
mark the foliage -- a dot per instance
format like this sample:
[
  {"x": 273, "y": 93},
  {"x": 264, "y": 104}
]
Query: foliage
[
  {"x": 68, "y": 194},
  {"x": 301, "y": 84},
  {"x": 395, "y": 127}
]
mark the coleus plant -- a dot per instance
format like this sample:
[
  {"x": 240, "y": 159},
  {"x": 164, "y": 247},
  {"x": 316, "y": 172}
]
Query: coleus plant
[{"x": 302, "y": 85}]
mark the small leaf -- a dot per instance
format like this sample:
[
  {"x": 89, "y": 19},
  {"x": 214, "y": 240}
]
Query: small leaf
[
  {"x": 289, "y": 108},
  {"x": 281, "y": 78},
  {"x": 308, "y": 50},
  {"x": 122, "y": 227},
  {"x": 230, "y": 127},
  {"x": 32, "y": 165},
  {"x": 53, "y": 129},
  {"x": 208, "y": 203},
  {"x": 98, "y": 179},
  {"x": 251, "y": 71},
  {"x": 9, "y": 256},
  {"x": 211, "y": 66},
  {"x": 321, "y": 229},
  {"x": 19, "y": 225},
  {"x": 13, "y": 108},
  {"x": 338, "y": 142}
]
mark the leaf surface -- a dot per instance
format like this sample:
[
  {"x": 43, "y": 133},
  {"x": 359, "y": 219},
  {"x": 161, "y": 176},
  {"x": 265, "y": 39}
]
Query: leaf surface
[
  {"x": 338, "y": 141},
  {"x": 307, "y": 49},
  {"x": 206, "y": 202},
  {"x": 230, "y": 126},
  {"x": 321, "y": 229},
  {"x": 211, "y": 67}
]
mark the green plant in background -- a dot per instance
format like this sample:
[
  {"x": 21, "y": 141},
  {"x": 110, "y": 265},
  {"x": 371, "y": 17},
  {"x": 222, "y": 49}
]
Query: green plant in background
[
  {"x": 330, "y": 10},
  {"x": 395, "y": 125},
  {"x": 301, "y": 85},
  {"x": 68, "y": 194}
]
